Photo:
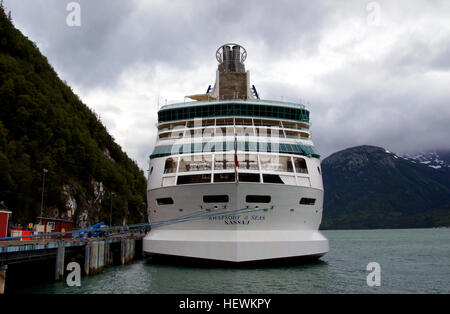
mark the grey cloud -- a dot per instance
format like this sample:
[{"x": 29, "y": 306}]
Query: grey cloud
[
  {"x": 388, "y": 102},
  {"x": 114, "y": 34}
]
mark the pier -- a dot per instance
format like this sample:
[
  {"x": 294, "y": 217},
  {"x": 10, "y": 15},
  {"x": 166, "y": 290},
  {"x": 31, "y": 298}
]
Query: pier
[{"x": 111, "y": 246}]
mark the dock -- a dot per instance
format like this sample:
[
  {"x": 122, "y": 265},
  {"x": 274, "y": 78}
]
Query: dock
[{"x": 116, "y": 246}]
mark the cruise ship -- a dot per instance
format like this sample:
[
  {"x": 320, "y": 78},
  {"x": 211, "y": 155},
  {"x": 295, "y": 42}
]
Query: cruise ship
[{"x": 234, "y": 177}]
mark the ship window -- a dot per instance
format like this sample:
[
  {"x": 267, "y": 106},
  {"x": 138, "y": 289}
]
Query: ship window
[
  {"x": 225, "y": 121},
  {"x": 215, "y": 199},
  {"x": 224, "y": 177},
  {"x": 242, "y": 121},
  {"x": 164, "y": 201},
  {"x": 248, "y": 162},
  {"x": 224, "y": 162},
  {"x": 272, "y": 178},
  {"x": 300, "y": 165},
  {"x": 258, "y": 198},
  {"x": 164, "y": 136},
  {"x": 177, "y": 132},
  {"x": 270, "y": 123},
  {"x": 171, "y": 165},
  {"x": 224, "y": 131},
  {"x": 245, "y": 131},
  {"x": 250, "y": 110},
  {"x": 276, "y": 163},
  {"x": 164, "y": 127},
  {"x": 249, "y": 177},
  {"x": 307, "y": 201},
  {"x": 292, "y": 134},
  {"x": 268, "y": 132},
  {"x": 194, "y": 179},
  {"x": 195, "y": 163}
]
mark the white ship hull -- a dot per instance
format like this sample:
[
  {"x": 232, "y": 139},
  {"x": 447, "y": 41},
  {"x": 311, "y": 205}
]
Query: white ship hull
[{"x": 280, "y": 229}]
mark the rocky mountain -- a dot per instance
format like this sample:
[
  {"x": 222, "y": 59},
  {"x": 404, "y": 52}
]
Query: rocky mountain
[
  {"x": 44, "y": 125},
  {"x": 370, "y": 187}
]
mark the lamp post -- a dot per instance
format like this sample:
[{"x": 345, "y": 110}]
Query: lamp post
[
  {"x": 110, "y": 209},
  {"x": 42, "y": 199}
]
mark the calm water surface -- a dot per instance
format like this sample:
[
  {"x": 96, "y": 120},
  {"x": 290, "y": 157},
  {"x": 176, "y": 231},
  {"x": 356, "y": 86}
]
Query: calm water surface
[{"x": 412, "y": 261}]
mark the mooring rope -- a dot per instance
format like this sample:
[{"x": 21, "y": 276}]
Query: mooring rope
[{"x": 145, "y": 226}]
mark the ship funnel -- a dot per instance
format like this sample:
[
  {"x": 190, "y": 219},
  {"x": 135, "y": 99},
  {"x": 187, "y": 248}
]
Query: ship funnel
[{"x": 231, "y": 58}]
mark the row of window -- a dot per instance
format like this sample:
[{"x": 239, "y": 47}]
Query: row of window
[
  {"x": 211, "y": 147},
  {"x": 231, "y": 122},
  {"x": 227, "y": 109},
  {"x": 231, "y": 177},
  {"x": 189, "y": 163},
  {"x": 231, "y": 131},
  {"x": 225, "y": 199}
]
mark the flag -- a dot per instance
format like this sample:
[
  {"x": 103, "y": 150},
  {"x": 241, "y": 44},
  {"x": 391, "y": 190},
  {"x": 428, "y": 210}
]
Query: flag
[{"x": 236, "y": 162}]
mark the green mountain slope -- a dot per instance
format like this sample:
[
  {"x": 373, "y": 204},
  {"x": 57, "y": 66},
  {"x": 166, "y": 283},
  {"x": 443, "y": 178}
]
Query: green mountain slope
[
  {"x": 369, "y": 187},
  {"x": 43, "y": 124}
]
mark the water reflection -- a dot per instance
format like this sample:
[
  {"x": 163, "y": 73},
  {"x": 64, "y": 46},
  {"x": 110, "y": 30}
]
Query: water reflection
[{"x": 299, "y": 277}]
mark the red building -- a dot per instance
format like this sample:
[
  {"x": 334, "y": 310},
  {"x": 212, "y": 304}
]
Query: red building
[
  {"x": 4, "y": 217},
  {"x": 57, "y": 225}
]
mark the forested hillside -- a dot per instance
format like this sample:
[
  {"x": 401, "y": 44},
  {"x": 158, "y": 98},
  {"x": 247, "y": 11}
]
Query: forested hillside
[
  {"x": 44, "y": 125},
  {"x": 369, "y": 187}
]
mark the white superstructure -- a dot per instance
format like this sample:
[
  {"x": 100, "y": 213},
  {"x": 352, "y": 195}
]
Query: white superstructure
[{"x": 233, "y": 177}]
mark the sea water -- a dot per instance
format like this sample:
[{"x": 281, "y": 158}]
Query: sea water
[{"x": 409, "y": 260}]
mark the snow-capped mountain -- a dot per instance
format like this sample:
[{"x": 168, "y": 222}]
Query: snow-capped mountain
[{"x": 434, "y": 159}]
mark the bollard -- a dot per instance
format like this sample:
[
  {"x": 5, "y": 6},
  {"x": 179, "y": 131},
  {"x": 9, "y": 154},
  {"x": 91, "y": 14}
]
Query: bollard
[
  {"x": 122, "y": 250},
  {"x": 3, "y": 269},
  {"x": 106, "y": 261},
  {"x": 87, "y": 256},
  {"x": 101, "y": 256},
  {"x": 127, "y": 260},
  {"x": 93, "y": 267},
  {"x": 59, "y": 267},
  {"x": 133, "y": 244}
]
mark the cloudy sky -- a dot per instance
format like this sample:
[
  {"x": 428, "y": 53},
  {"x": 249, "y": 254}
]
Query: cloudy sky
[{"x": 371, "y": 72}]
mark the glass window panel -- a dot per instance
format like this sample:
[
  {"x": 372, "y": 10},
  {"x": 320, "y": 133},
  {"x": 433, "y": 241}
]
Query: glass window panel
[
  {"x": 193, "y": 179},
  {"x": 249, "y": 177},
  {"x": 276, "y": 163},
  {"x": 245, "y": 131},
  {"x": 272, "y": 178},
  {"x": 170, "y": 165},
  {"x": 195, "y": 163},
  {"x": 248, "y": 162},
  {"x": 224, "y": 162},
  {"x": 300, "y": 165},
  {"x": 224, "y": 177}
]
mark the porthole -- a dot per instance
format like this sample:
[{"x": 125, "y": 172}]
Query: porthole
[
  {"x": 164, "y": 201},
  {"x": 258, "y": 198},
  {"x": 307, "y": 201},
  {"x": 215, "y": 199}
]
